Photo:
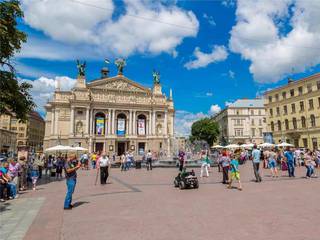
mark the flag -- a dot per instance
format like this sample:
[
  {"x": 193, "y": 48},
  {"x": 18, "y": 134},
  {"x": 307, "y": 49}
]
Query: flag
[{"x": 106, "y": 61}]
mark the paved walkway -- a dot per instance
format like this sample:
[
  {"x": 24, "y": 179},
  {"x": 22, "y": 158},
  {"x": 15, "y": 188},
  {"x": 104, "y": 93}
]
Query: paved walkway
[{"x": 144, "y": 205}]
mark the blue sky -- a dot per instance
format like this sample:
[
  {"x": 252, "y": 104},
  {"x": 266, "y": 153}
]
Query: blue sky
[{"x": 209, "y": 52}]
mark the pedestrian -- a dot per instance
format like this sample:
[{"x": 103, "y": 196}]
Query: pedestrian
[
  {"x": 104, "y": 164},
  {"x": 23, "y": 173},
  {"x": 60, "y": 164},
  {"x": 309, "y": 164},
  {"x": 235, "y": 173},
  {"x": 272, "y": 164},
  {"x": 49, "y": 165},
  {"x": 256, "y": 157},
  {"x": 93, "y": 160},
  {"x": 123, "y": 161},
  {"x": 149, "y": 160},
  {"x": 71, "y": 166},
  {"x": 34, "y": 174},
  {"x": 181, "y": 157},
  {"x": 4, "y": 182},
  {"x": 205, "y": 164},
  {"x": 290, "y": 161},
  {"x": 225, "y": 163},
  {"x": 14, "y": 168}
]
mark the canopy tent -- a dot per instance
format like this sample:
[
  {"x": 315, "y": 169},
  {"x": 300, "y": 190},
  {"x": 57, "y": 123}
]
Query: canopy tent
[
  {"x": 247, "y": 145},
  {"x": 266, "y": 145},
  {"x": 59, "y": 148},
  {"x": 232, "y": 146},
  {"x": 79, "y": 149},
  {"x": 217, "y": 146},
  {"x": 284, "y": 144}
]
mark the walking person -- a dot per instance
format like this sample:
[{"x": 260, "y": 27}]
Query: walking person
[
  {"x": 205, "y": 164},
  {"x": 225, "y": 163},
  {"x": 235, "y": 173},
  {"x": 123, "y": 161},
  {"x": 93, "y": 160},
  {"x": 256, "y": 158},
  {"x": 272, "y": 164},
  {"x": 34, "y": 174},
  {"x": 71, "y": 166},
  {"x": 104, "y": 164},
  {"x": 149, "y": 160},
  {"x": 60, "y": 164},
  {"x": 290, "y": 161},
  {"x": 23, "y": 173},
  {"x": 309, "y": 164},
  {"x": 14, "y": 168},
  {"x": 181, "y": 157}
]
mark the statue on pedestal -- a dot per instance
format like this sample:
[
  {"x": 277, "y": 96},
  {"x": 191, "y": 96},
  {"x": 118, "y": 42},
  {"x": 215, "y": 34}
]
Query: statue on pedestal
[
  {"x": 120, "y": 63},
  {"x": 156, "y": 77},
  {"x": 81, "y": 68}
]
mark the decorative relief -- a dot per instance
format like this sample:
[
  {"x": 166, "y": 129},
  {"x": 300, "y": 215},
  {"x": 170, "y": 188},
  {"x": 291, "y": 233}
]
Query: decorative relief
[
  {"x": 122, "y": 85},
  {"x": 62, "y": 96}
]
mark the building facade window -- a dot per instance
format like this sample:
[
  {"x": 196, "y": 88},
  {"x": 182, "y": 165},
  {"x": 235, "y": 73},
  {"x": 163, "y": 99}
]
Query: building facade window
[
  {"x": 277, "y": 97},
  {"x": 141, "y": 124},
  {"x": 286, "y": 123},
  {"x": 309, "y": 88},
  {"x": 292, "y": 92},
  {"x": 270, "y": 99},
  {"x": 285, "y": 109},
  {"x": 252, "y": 112},
  {"x": 293, "y": 108},
  {"x": 305, "y": 142},
  {"x": 121, "y": 124},
  {"x": 300, "y": 90},
  {"x": 284, "y": 95},
  {"x": 260, "y": 132},
  {"x": 279, "y": 125},
  {"x": 100, "y": 123},
  {"x": 253, "y": 132},
  {"x": 301, "y": 106},
  {"x": 303, "y": 122},
  {"x": 318, "y": 85},
  {"x": 238, "y": 132},
  {"x": 278, "y": 111},
  {"x": 294, "y": 123},
  {"x": 312, "y": 120},
  {"x": 272, "y": 126},
  {"x": 311, "y": 104},
  {"x": 271, "y": 110},
  {"x": 252, "y": 121},
  {"x": 260, "y": 122}
]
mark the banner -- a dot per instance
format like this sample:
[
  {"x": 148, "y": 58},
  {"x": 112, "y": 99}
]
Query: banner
[
  {"x": 100, "y": 126},
  {"x": 121, "y": 130},
  {"x": 141, "y": 127}
]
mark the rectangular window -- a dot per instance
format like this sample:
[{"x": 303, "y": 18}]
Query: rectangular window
[
  {"x": 319, "y": 102},
  {"x": 277, "y": 97},
  {"x": 239, "y": 132},
  {"x": 301, "y": 106},
  {"x": 252, "y": 121},
  {"x": 293, "y": 107},
  {"x": 310, "y": 104},
  {"x": 309, "y": 88},
  {"x": 284, "y": 95},
  {"x": 260, "y": 122},
  {"x": 305, "y": 142},
  {"x": 270, "y": 99},
  {"x": 285, "y": 110},
  {"x": 318, "y": 85},
  {"x": 253, "y": 132},
  {"x": 300, "y": 89},
  {"x": 278, "y": 111},
  {"x": 271, "y": 110},
  {"x": 260, "y": 132},
  {"x": 292, "y": 92}
]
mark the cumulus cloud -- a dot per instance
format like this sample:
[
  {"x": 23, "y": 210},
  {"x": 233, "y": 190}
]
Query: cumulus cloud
[
  {"x": 184, "y": 121},
  {"x": 227, "y": 103},
  {"x": 217, "y": 54},
  {"x": 277, "y": 36},
  {"x": 143, "y": 27},
  {"x": 214, "y": 109},
  {"x": 209, "y": 19},
  {"x": 43, "y": 88}
]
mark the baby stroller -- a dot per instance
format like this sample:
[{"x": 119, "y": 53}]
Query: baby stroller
[{"x": 186, "y": 180}]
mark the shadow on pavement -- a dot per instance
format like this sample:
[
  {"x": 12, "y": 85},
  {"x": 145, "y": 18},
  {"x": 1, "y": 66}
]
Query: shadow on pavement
[{"x": 78, "y": 204}]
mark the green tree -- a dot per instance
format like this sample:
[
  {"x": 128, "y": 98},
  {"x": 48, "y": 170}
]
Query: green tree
[
  {"x": 205, "y": 129},
  {"x": 14, "y": 96}
]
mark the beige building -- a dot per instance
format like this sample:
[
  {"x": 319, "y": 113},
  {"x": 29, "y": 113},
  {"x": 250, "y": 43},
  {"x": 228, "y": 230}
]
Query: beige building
[
  {"x": 243, "y": 121},
  {"x": 293, "y": 112},
  {"x": 8, "y": 141},
  {"x": 28, "y": 134},
  {"x": 111, "y": 114}
]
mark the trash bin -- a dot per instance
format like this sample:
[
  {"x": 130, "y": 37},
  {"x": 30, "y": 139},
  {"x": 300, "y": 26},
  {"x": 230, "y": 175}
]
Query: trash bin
[{"x": 138, "y": 164}]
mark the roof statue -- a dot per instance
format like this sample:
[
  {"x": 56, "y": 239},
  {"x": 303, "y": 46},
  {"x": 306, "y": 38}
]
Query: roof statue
[
  {"x": 156, "y": 77},
  {"x": 81, "y": 68},
  {"x": 120, "y": 63}
]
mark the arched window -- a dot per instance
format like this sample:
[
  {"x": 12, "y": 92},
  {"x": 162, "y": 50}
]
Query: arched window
[
  {"x": 272, "y": 126},
  {"x": 286, "y": 122},
  {"x": 100, "y": 123},
  {"x": 141, "y": 124},
  {"x": 303, "y": 122},
  {"x": 312, "y": 120},
  {"x": 294, "y": 123},
  {"x": 121, "y": 124},
  {"x": 279, "y": 125},
  {"x": 79, "y": 127}
]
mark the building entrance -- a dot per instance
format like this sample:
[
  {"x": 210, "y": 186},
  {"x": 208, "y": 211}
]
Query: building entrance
[
  {"x": 121, "y": 148},
  {"x": 99, "y": 147}
]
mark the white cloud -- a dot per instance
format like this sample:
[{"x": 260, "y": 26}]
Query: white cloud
[
  {"x": 227, "y": 103},
  {"x": 144, "y": 27},
  {"x": 228, "y": 3},
  {"x": 231, "y": 74},
  {"x": 28, "y": 71},
  {"x": 218, "y": 53},
  {"x": 209, "y": 94},
  {"x": 260, "y": 36},
  {"x": 209, "y": 19},
  {"x": 214, "y": 109},
  {"x": 43, "y": 88},
  {"x": 184, "y": 121}
]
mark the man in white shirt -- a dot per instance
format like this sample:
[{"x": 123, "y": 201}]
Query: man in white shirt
[
  {"x": 104, "y": 163},
  {"x": 149, "y": 160}
]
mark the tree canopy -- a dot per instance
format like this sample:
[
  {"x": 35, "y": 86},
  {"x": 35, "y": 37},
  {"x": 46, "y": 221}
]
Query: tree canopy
[
  {"x": 205, "y": 129},
  {"x": 14, "y": 96}
]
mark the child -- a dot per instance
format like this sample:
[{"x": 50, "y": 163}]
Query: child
[{"x": 234, "y": 169}]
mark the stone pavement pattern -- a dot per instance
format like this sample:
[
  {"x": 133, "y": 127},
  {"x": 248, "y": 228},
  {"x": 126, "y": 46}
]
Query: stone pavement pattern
[{"x": 145, "y": 205}]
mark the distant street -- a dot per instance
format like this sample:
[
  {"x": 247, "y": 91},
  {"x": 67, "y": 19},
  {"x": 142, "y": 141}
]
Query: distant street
[{"x": 144, "y": 205}]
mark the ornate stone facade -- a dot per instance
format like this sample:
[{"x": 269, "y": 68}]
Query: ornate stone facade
[{"x": 112, "y": 114}]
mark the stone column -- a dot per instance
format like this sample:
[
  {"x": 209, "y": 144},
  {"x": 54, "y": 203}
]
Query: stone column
[
  {"x": 56, "y": 118},
  {"x": 72, "y": 121},
  {"x": 130, "y": 122},
  {"x": 154, "y": 123},
  {"x": 113, "y": 121},
  {"x": 91, "y": 123},
  {"x": 165, "y": 128},
  {"x": 90, "y": 145},
  {"x": 106, "y": 125},
  {"x": 109, "y": 122},
  {"x": 134, "y": 124},
  {"x": 149, "y": 124},
  {"x": 52, "y": 121},
  {"x": 87, "y": 121}
]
